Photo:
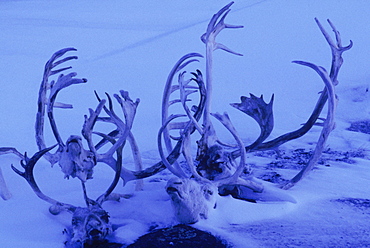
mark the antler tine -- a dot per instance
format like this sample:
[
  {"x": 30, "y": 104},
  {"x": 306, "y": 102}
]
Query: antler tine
[
  {"x": 183, "y": 96},
  {"x": 329, "y": 123},
  {"x": 128, "y": 106},
  {"x": 214, "y": 28},
  {"x": 7, "y": 150},
  {"x": 51, "y": 64},
  {"x": 62, "y": 82},
  {"x": 336, "y": 48},
  {"x": 90, "y": 123},
  {"x": 212, "y": 22},
  {"x": 198, "y": 78},
  {"x": 28, "y": 165},
  {"x": 43, "y": 100}
]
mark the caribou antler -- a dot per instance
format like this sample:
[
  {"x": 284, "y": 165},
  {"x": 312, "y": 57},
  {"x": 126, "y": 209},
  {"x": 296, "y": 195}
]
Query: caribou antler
[
  {"x": 337, "y": 50},
  {"x": 215, "y": 26},
  {"x": 121, "y": 134},
  {"x": 169, "y": 89},
  {"x": 29, "y": 164},
  {"x": 118, "y": 137},
  {"x": 89, "y": 223},
  {"x": 44, "y": 100},
  {"x": 329, "y": 123},
  {"x": 8, "y": 150},
  {"x": 183, "y": 127},
  {"x": 211, "y": 157}
]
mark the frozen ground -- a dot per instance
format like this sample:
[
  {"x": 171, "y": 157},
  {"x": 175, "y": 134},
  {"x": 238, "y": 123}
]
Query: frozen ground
[{"x": 133, "y": 46}]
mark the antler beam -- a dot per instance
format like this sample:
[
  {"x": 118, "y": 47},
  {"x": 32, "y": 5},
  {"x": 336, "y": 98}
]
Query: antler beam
[{"x": 29, "y": 164}]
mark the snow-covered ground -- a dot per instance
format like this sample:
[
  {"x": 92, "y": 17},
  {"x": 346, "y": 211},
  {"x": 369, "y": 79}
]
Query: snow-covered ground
[{"x": 133, "y": 46}]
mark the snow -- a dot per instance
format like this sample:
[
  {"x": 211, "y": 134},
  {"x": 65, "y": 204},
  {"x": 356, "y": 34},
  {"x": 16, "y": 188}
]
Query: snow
[{"x": 133, "y": 46}]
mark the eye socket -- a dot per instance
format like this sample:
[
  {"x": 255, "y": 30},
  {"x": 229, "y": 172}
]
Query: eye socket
[
  {"x": 105, "y": 218},
  {"x": 208, "y": 191},
  {"x": 75, "y": 221}
]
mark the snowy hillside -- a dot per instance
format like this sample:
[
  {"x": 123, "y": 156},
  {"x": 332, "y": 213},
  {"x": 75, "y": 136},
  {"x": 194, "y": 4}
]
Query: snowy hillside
[{"x": 132, "y": 46}]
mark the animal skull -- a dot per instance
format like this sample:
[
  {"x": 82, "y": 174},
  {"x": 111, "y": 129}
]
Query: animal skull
[
  {"x": 89, "y": 225},
  {"x": 216, "y": 163},
  {"x": 191, "y": 200},
  {"x": 75, "y": 161}
]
